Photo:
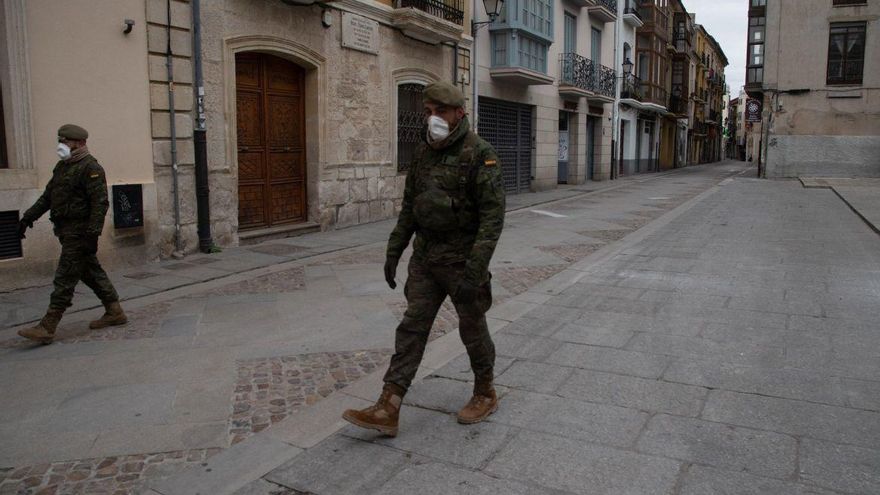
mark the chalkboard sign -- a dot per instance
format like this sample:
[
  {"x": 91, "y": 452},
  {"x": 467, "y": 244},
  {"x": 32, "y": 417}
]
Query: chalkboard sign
[{"x": 128, "y": 206}]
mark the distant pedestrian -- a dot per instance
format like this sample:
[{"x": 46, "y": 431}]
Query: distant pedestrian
[
  {"x": 454, "y": 205},
  {"x": 76, "y": 199}
]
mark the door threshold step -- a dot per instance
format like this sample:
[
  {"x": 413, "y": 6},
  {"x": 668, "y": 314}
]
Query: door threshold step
[{"x": 256, "y": 236}]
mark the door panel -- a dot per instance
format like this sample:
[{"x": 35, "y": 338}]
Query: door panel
[{"x": 271, "y": 140}]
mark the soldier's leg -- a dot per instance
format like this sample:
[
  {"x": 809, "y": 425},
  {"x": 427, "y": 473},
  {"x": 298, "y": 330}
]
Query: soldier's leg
[
  {"x": 68, "y": 273},
  {"x": 94, "y": 276},
  {"x": 424, "y": 295},
  {"x": 472, "y": 326}
]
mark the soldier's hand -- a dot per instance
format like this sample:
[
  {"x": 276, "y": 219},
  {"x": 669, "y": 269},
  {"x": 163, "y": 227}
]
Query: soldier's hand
[
  {"x": 466, "y": 292},
  {"x": 391, "y": 270},
  {"x": 23, "y": 225},
  {"x": 90, "y": 244}
]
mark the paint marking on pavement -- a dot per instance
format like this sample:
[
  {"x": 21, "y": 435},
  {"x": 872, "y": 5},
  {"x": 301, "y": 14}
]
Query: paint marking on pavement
[
  {"x": 659, "y": 198},
  {"x": 549, "y": 214}
]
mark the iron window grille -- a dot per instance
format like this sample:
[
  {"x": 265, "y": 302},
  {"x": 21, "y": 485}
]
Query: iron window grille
[
  {"x": 849, "y": 2},
  {"x": 410, "y": 123},
  {"x": 10, "y": 244},
  {"x": 846, "y": 53}
]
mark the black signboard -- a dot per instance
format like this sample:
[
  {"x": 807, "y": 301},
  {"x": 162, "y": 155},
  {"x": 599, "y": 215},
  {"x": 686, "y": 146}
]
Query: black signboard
[
  {"x": 753, "y": 110},
  {"x": 128, "y": 206}
]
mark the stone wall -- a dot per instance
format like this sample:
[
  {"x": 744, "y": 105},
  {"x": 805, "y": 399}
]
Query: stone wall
[
  {"x": 181, "y": 49},
  {"x": 352, "y": 175},
  {"x": 823, "y": 156}
]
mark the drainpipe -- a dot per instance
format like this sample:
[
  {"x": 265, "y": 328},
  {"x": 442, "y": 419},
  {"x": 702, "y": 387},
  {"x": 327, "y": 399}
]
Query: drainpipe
[
  {"x": 174, "y": 172},
  {"x": 475, "y": 105},
  {"x": 615, "y": 111},
  {"x": 203, "y": 205}
]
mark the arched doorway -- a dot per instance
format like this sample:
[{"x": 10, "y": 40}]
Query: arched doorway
[{"x": 270, "y": 96}]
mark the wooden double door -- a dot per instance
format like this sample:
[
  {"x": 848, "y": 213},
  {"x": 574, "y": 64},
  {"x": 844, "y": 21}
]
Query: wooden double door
[{"x": 270, "y": 109}]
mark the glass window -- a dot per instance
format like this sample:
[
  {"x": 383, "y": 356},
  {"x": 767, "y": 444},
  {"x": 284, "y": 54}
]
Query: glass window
[
  {"x": 4, "y": 159},
  {"x": 538, "y": 16},
  {"x": 410, "y": 123},
  {"x": 570, "y": 33},
  {"x": 846, "y": 53},
  {"x": 499, "y": 52}
]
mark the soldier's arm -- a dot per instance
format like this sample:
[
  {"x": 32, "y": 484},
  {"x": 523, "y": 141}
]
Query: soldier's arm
[
  {"x": 96, "y": 186},
  {"x": 41, "y": 206},
  {"x": 406, "y": 222},
  {"x": 490, "y": 206}
]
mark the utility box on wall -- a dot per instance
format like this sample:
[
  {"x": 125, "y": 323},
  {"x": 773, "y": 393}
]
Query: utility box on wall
[{"x": 128, "y": 206}]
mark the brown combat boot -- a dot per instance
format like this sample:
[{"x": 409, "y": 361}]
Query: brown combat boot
[
  {"x": 382, "y": 415},
  {"x": 483, "y": 403},
  {"x": 113, "y": 315},
  {"x": 44, "y": 331}
]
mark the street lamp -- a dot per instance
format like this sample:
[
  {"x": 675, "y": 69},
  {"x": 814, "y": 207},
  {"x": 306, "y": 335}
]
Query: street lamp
[{"x": 493, "y": 10}]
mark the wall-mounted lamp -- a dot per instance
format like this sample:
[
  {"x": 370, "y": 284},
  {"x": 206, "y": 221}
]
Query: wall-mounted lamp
[
  {"x": 129, "y": 24},
  {"x": 493, "y": 10},
  {"x": 627, "y": 67}
]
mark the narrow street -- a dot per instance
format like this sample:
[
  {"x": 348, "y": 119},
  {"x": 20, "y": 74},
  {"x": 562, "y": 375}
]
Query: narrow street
[{"x": 691, "y": 332}]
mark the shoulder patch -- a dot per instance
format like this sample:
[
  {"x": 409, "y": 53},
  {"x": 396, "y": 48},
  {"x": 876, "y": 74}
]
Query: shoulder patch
[
  {"x": 94, "y": 175},
  {"x": 490, "y": 163}
]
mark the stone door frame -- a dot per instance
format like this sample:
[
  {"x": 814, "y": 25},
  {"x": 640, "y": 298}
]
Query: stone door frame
[{"x": 315, "y": 106}]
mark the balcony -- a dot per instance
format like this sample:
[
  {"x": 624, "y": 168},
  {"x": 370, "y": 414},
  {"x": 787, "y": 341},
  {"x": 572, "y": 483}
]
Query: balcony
[
  {"x": 681, "y": 43},
  {"x": 604, "y": 10},
  {"x": 631, "y": 88},
  {"x": 652, "y": 93},
  {"x": 655, "y": 19},
  {"x": 631, "y": 14},
  {"x": 431, "y": 21},
  {"x": 714, "y": 116},
  {"x": 580, "y": 76},
  {"x": 678, "y": 106}
]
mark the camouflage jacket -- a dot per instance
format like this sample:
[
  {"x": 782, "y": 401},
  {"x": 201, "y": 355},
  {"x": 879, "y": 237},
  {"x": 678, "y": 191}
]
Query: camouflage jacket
[
  {"x": 453, "y": 203},
  {"x": 75, "y": 197}
]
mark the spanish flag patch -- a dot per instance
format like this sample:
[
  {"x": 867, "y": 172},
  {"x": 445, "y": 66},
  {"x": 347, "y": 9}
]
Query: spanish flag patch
[{"x": 490, "y": 163}]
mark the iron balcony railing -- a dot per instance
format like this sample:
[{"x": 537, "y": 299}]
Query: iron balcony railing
[
  {"x": 653, "y": 93},
  {"x": 448, "y": 10},
  {"x": 609, "y": 4},
  {"x": 586, "y": 74},
  {"x": 631, "y": 87},
  {"x": 713, "y": 115},
  {"x": 678, "y": 105}
]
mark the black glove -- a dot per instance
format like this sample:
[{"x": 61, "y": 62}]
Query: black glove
[
  {"x": 391, "y": 270},
  {"x": 90, "y": 244},
  {"x": 466, "y": 292},
  {"x": 23, "y": 225}
]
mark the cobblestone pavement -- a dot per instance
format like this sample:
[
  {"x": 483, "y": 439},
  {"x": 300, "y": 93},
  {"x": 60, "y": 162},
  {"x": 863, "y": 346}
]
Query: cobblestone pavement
[
  {"x": 209, "y": 366},
  {"x": 120, "y": 475},
  {"x": 270, "y": 389}
]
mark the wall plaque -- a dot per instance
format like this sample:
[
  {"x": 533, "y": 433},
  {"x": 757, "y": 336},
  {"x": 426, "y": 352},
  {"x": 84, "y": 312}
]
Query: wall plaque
[
  {"x": 128, "y": 206},
  {"x": 360, "y": 33}
]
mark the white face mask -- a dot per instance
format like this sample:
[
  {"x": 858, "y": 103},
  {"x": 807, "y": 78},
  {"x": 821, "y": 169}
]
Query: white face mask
[
  {"x": 63, "y": 151},
  {"x": 438, "y": 129}
]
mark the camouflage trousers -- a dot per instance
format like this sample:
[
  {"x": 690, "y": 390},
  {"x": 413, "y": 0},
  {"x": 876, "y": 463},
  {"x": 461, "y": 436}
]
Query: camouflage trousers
[
  {"x": 426, "y": 287},
  {"x": 75, "y": 265}
]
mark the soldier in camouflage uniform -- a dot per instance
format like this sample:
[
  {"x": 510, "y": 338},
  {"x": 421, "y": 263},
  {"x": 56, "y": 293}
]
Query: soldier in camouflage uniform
[
  {"x": 454, "y": 204},
  {"x": 76, "y": 199}
]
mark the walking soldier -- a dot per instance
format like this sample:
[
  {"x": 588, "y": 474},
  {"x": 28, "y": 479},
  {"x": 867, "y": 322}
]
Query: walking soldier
[{"x": 454, "y": 205}]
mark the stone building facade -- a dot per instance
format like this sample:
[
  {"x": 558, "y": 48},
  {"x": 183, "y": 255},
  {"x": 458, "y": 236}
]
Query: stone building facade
[{"x": 815, "y": 65}]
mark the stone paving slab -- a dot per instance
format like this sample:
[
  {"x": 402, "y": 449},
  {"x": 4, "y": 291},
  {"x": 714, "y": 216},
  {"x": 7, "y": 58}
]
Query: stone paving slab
[
  {"x": 720, "y": 445},
  {"x": 582, "y": 468},
  {"x": 701, "y": 480}
]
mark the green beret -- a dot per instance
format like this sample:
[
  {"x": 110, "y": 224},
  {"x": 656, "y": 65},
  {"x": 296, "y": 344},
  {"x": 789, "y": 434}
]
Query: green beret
[
  {"x": 443, "y": 93},
  {"x": 71, "y": 131}
]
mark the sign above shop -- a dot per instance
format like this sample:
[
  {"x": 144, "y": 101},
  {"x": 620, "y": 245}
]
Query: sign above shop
[{"x": 360, "y": 33}]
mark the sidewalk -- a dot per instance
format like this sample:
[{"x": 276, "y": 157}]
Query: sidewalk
[
  {"x": 672, "y": 335},
  {"x": 29, "y": 304}
]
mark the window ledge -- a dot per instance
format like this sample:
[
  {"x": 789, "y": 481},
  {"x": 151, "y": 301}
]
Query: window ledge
[{"x": 18, "y": 178}]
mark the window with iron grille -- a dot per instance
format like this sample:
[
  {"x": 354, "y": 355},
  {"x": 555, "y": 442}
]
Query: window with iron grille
[
  {"x": 846, "y": 53},
  {"x": 10, "y": 244},
  {"x": 410, "y": 123}
]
